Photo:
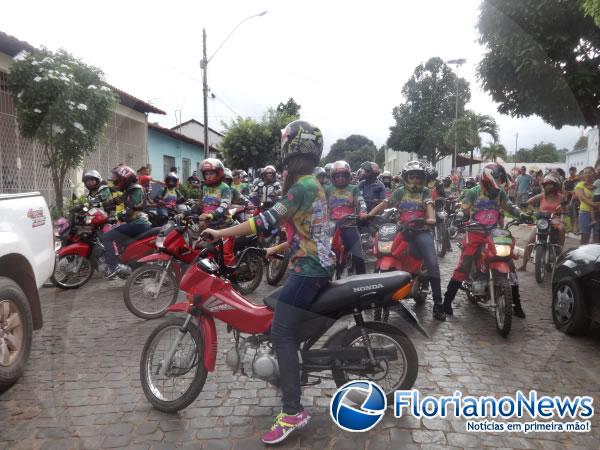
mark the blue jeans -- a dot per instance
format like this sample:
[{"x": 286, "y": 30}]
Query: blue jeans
[
  {"x": 120, "y": 235},
  {"x": 422, "y": 246},
  {"x": 296, "y": 297},
  {"x": 353, "y": 244},
  {"x": 586, "y": 226}
]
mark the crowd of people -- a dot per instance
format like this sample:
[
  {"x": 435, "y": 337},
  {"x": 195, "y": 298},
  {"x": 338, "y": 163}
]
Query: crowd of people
[{"x": 308, "y": 199}]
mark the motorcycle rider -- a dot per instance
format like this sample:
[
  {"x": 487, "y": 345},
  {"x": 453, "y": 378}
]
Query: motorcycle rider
[
  {"x": 268, "y": 190},
  {"x": 170, "y": 196},
  {"x": 386, "y": 179},
  {"x": 237, "y": 198},
  {"x": 343, "y": 199},
  {"x": 136, "y": 221},
  {"x": 216, "y": 201},
  {"x": 327, "y": 168},
  {"x": 551, "y": 200},
  {"x": 485, "y": 203},
  {"x": 321, "y": 175},
  {"x": 98, "y": 191},
  {"x": 239, "y": 184},
  {"x": 304, "y": 209},
  {"x": 371, "y": 189},
  {"x": 413, "y": 200}
]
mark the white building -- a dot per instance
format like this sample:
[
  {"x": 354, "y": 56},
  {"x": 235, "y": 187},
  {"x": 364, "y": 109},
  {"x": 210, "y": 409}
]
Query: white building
[
  {"x": 394, "y": 161},
  {"x": 587, "y": 157},
  {"x": 195, "y": 130}
]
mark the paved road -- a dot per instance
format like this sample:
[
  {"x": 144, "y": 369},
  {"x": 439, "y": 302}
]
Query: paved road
[{"x": 82, "y": 388}]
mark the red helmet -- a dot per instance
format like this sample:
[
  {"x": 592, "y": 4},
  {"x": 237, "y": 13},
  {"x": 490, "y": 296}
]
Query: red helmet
[
  {"x": 123, "y": 176},
  {"x": 492, "y": 177},
  {"x": 343, "y": 168},
  {"x": 212, "y": 165}
]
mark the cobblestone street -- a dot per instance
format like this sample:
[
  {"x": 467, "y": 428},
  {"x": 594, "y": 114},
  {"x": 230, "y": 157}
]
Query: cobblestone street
[{"x": 82, "y": 390}]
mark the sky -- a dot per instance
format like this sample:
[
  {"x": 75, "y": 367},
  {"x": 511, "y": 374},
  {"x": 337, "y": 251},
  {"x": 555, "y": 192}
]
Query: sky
[{"x": 344, "y": 62}]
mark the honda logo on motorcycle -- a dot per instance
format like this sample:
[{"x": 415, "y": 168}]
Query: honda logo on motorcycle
[{"x": 367, "y": 288}]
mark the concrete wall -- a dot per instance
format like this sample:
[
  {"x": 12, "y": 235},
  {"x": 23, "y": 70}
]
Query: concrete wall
[
  {"x": 195, "y": 131},
  {"x": 160, "y": 145}
]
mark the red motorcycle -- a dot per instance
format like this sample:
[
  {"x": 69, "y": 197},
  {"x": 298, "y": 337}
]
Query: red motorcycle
[
  {"x": 154, "y": 286},
  {"x": 82, "y": 251},
  {"x": 392, "y": 249},
  {"x": 492, "y": 273},
  {"x": 181, "y": 351}
]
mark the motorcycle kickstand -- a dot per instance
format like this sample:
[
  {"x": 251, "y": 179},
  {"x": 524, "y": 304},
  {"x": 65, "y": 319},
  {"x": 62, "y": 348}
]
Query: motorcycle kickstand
[{"x": 171, "y": 352}]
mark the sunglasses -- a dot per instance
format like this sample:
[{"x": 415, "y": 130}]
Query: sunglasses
[{"x": 414, "y": 176}]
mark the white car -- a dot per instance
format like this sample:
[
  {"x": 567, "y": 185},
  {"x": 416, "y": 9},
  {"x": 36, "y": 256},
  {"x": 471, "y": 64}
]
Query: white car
[{"x": 26, "y": 261}]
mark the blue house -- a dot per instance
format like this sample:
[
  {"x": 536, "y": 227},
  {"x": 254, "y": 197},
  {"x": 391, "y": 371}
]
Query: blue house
[{"x": 168, "y": 148}]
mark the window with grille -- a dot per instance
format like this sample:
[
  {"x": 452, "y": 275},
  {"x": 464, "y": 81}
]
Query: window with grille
[
  {"x": 168, "y": 162},
  {"x": 186, "y": 166}
]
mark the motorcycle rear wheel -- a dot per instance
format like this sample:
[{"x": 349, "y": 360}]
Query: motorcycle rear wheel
[
  {"x": 137, "y": 293},
  {"x": 188, "y": 355},
  {"x": 440, "y": 239},
  {"x": 504, "y": 304},
  {"x": 85, "y": 272},
  {"x": 402, "y": 378},
  {"x": 249, "y": 274}
]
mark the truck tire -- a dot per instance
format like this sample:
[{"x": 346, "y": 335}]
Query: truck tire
[{"x": 16, "y": 332}]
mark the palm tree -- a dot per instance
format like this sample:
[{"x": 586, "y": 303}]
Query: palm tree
[
  {"x": 467, "y": 131},
  {"x": 492, "y": 151}
]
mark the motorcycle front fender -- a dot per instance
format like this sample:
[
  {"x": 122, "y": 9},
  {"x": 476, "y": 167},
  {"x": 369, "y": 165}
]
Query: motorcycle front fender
[
  {"x": 209, "y": 338},
  {"x": 388, "y": 263},
  {"x": 78, "y": 248},
  {"x": 154, "y": 257}
]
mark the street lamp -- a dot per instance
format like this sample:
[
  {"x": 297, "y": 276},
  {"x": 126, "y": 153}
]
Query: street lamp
[
  {"x": 204, "y": 66},
  {"x": 457, "y": 62}
]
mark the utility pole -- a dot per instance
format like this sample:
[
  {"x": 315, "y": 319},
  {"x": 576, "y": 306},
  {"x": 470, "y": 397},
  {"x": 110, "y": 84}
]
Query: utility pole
[
  {"x": 516, "y": 146},
  {"x": 204, "y": 65},
  {"x": 458, "y": 62}
]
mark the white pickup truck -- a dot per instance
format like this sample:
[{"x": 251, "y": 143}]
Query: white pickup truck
[{"x": 26, "y": 261}]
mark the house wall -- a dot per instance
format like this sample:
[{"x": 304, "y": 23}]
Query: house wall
[
  {"x": 196, "y": 131},
  {"x": 22, "y": 160},
  {"x": 394, "y": 161},
  {"x": 160, "y": 145}
]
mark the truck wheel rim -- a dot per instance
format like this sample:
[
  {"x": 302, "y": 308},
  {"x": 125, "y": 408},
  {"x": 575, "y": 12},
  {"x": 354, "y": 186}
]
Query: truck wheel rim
[{"x": 11, "y": 332}]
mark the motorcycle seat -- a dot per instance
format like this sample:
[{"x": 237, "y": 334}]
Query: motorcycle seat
[
  {"x": 151, "y": 232},
  {"x": 341, "y": 293}
]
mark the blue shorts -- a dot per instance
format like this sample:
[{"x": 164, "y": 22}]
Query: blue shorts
[{"x": 585, "y": 225}]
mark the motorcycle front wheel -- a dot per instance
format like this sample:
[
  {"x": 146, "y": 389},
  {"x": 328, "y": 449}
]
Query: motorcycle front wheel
[
  {"x": 540, "y": 263},
  {"x": 72, "y": 271},
  {"x": 276, "y": 268},
  {"x": 149, "y": 291},
  {"x": 185, "y": 375},
  {"x": 391, "y": 375},
  {"x": 503, "y": 309},
  {"x": 440, "y": 239}
]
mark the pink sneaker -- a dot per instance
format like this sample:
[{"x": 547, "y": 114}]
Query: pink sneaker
[{"x": 284, "y": 425}]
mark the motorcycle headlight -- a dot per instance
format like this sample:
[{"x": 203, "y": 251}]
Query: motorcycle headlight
[
  {"x": 543, "y": 224},
  {"x": 502, "y": 250},
  {"x": 384, "y": 247},
  {"x": 442, "y": 214},
  {"x": 160, "y": 241}
]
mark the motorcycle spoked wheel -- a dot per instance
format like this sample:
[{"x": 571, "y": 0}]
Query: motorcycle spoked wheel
[
  {"x": 139, "y": 289},
  {"x": 63, "y": 280},
  {"x": 390, "y": 377},
  {"x": 440, "y": 239},
  {"x": 186, "y": 366},
  {"x": 249, "y": 273},
  {"x": 540, "y": 263},
  {"x": 503, "y": 307},
  {"x": 276, "y": 268}
]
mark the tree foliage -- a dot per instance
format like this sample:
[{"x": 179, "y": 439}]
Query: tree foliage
[
  {"x": 467, "y": 131},
  {"x": 354, "y": 149},
  {"x": 423, "y": 120},
  {"x": 62, "y": 103},
  {"x": 544, "y": 152},
  {"x": 592, "y": 9},
  {"x": 380, "y": 156},
  {"x": 249, "y": 143},
  {"x": 542, "y": 58},
  {"x": 493, "y": 150}
]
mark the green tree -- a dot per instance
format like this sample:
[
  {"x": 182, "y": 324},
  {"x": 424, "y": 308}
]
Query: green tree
[
  {"x": 524, "y": 155},
  {"x": 423, "y": 120},
  {"x": 467, "y": 131},
  {"x": 581, "y": 144},
  {"x": 355, "y": 149},
  {"x": 492, "y": 151},
  {"x": 247, "y": 143},
  {"x": 380, "y": 156},
  {"x": 290, "y": 108},
  {"x": 592, "y": 9},
  {"x": 542, "y": 58},
  {"x": 62, "y": 103},
  {"x": 546, "y": 152}
]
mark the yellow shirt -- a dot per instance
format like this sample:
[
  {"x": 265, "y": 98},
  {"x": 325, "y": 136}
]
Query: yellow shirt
[
  {"x": 118, "y": 208},
  {"x": 584, "y": 207}
]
